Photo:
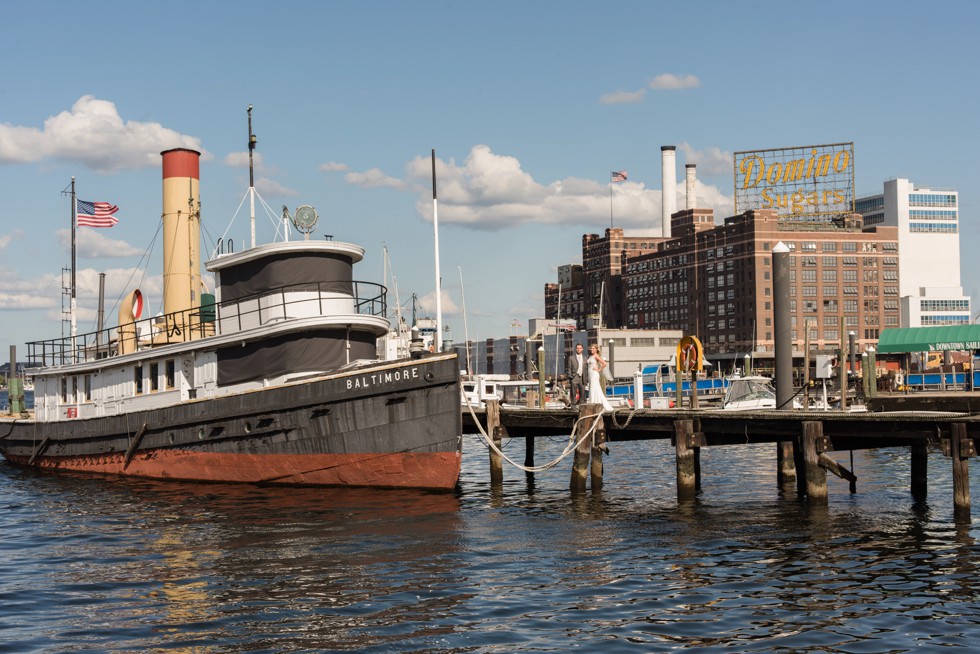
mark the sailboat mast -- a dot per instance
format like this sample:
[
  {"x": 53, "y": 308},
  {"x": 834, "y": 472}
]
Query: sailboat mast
[
  {"x": 466, "y": 331},
  {"x": 557, "y": 331},
  {"x": 435, "y": 229},
  {"x": 251, "y": 175}
]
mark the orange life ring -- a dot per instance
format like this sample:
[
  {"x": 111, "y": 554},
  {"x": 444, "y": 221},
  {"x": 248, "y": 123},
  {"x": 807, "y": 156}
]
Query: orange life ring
[{"x": 689, "y": 357}]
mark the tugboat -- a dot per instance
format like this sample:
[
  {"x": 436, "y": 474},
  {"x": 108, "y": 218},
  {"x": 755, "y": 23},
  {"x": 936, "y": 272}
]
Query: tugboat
[{"x": 274, "y": 378}]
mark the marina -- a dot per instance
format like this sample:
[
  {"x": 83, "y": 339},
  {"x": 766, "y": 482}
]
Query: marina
[{"x": 806, "y": 441}]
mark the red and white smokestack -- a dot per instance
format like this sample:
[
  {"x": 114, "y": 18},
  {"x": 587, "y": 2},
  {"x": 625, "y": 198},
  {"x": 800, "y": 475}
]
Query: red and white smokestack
[
  {"x": 181, "y": 230},
  {"x": 692, "y": 199},
  {"x": 668, "y": 185}
]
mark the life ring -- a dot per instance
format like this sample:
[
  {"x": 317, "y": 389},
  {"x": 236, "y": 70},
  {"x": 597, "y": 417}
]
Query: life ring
[
  {"x": 137, "y": 304},
  {"x": 689, "y": 357}
]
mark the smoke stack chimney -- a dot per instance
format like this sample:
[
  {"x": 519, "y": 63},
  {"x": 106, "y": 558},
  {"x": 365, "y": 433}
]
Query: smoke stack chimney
[
  {"x": 668, "y": 185},
  {"x": 692, "y": 199},
  {"x": 181, "y": 230}
]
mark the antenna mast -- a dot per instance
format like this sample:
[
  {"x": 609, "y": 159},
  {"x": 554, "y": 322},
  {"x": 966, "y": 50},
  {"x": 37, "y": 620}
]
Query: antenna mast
[{"x": 251, "y": 175}]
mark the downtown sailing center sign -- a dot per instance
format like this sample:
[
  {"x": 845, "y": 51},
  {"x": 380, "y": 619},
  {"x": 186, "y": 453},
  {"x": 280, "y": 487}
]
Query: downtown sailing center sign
[{"x": 809, "y": 183}]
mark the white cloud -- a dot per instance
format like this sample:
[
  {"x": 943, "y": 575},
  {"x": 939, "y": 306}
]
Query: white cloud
[
  {"x": 95, "y": 244},
  {"x": 490, "y": 192},
  {"x": 710, "y": 161},
  {"x": 92, "y": 134},
  {"x": 7, "y": 239},
  {"x": 44, "y": 292},
  {"x": 428, "y": 304},
  {"x": 669, "y": 82},
  {"x": 334, "y": 167},
  {"x": 623, "y": 97},
  {"x": 240, "y": 159},
  {"x": 272, "y": 188},
  {"x": 373, "y": 178}
]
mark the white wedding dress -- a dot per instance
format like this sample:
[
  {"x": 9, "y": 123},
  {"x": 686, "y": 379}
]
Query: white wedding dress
[{"x": 596, "y": 393}]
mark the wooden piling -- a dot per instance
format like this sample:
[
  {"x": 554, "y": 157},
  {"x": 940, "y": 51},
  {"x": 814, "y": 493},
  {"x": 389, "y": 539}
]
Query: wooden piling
[
  {"x": 816, "y": 476},
  {"x": 920, "y": 472},
  {"x": 597, "y": 444},
  {"x": 961, "y": 449},
  {"x": 529, "y": 452},
  {"x": 686, "y": 477},
  {"x": 588, "y": 414},
  {"x": 786, "y": 465},
  {"x": 495, "y": 430}
]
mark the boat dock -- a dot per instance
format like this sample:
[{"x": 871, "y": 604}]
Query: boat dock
[{"x": 806, "y": 440}]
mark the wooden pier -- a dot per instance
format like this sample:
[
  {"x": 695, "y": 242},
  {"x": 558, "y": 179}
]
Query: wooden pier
[{"x": 804, "y": 439}]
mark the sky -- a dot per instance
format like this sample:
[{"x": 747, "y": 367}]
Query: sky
[{"x": 529, "y": 107}]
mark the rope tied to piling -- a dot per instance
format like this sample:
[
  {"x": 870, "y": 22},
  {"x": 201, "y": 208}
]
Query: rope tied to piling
[{"x": 569, "y": 448}]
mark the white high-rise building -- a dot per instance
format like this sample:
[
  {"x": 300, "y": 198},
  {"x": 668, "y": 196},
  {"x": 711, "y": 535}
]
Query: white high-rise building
[{"x": 928, "y": 251}]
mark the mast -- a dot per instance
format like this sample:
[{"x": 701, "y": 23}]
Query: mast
[
  {"x": 72, "y": 307},
  {"x": 466, "y": 332},
  {"x": 602, "y": 291},
  {"x": 251, "y": 175},
  {"x": 435, "y": 229},
  {"x": 558, "y": 331}
]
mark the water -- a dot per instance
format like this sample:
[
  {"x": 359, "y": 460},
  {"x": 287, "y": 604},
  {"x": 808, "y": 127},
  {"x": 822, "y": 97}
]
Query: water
[
  {"x": 5, "y": 400},
  {"x": 111, "y": 565}
]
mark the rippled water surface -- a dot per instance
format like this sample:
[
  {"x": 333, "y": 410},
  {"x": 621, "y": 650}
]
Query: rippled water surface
[{"x": 110, "y": 565}]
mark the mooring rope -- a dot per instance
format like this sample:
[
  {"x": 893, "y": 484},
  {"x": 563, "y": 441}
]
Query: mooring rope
[{"x": 569, "y": 448}]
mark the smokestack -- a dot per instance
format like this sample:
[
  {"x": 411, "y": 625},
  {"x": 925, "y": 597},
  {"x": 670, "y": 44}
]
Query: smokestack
[
  {"x": 668, "y": 185},
  {"x": 692, "y": 199},
  {"x": 181, "y": 230}
]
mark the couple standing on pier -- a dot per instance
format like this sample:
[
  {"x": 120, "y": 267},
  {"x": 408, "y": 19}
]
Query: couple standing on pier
[{"x": 578, "y": 363}]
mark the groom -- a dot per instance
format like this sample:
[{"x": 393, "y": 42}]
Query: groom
[{"x": 575, "y": 369}]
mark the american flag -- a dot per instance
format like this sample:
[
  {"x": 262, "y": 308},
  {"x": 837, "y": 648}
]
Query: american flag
[
  {"x": 618, "y": 176},
  {"x": 95, "y": 214}
]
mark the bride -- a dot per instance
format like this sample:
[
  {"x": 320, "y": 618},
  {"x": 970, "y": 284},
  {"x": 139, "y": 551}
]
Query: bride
[{"x": 596, "y": 365}]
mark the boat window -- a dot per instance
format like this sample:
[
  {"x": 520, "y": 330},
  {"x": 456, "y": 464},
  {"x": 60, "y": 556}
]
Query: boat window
[
  {"x": 74, "y": 389},
  {"x": 64, "y": 390},
  {"x": 170, "y": 373},
  {"x": 88, "y": 388},
  {"x": 154, "y": 377},
  {"x": 138, "y": 378}
]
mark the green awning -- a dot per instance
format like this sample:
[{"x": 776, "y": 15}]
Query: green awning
[{"x": 930, "y": 339}]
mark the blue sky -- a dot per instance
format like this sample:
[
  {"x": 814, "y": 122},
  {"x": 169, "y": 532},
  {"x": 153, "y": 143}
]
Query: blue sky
[{"x": 529, "y": 106}]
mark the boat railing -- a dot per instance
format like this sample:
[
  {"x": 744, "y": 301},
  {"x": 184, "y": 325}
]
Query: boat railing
[{"x": 276, "y": 305}]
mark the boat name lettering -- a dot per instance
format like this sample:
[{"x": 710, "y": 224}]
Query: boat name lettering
[{"x": 379, "y": 378}]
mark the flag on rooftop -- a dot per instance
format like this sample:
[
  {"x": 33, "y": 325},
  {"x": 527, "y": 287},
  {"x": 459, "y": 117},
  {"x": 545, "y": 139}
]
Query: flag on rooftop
[
  {"x": 95, "y": 214},
  {"x": 618, "y": 176}
]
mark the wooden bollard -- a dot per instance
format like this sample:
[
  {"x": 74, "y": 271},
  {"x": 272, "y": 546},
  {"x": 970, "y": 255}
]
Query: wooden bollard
[
  {"x": 596, "y": 467},
  {"x": 961, "y": 449},
  {"x": 786, "y": 466},
  {"x": 919, "y": 472},
  {"x": 495, "y": 431},
  {"x": 816, "y": 476},
  {"x": 588, "y": 414},
  {"x": 686, "y": 476}
]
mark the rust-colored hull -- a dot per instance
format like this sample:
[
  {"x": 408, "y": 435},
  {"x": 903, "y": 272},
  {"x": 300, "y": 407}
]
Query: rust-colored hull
[{"x": 435, "y": 470}]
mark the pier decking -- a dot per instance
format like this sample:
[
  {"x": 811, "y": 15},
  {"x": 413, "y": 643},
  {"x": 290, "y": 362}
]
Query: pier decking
[{"x": 805, "y": 438}]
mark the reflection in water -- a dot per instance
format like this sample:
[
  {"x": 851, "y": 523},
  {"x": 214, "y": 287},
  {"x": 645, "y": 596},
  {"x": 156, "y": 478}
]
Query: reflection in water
[{"x": 123, "y": 565}]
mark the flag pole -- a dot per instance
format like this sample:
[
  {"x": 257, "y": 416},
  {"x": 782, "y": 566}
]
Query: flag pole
[
  {"x": 72, "y": 308},
  {"x": 435, "y": 229},
  {"x": 610, "y": 203}
]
